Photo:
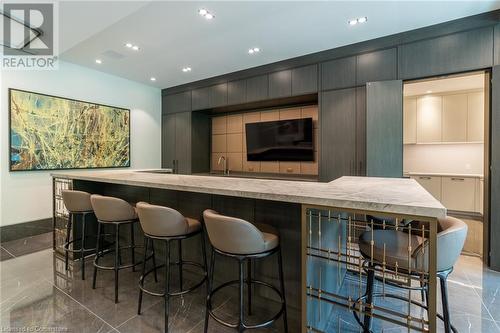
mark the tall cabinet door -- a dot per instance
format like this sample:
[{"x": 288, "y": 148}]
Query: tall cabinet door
[
  {"x": 494, "y": 174},
  {"x": 183, "y": 142},
  {"x": 338, "y": 134},
  {"x": 168, "y": 141},
  {"x": 360, "y": 131},
  {"x": 384, "y": 129}
]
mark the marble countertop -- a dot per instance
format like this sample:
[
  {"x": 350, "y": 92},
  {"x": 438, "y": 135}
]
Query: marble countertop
[
  {"x": 388, "y": 195},
  {"x": 444, "y": 174}
]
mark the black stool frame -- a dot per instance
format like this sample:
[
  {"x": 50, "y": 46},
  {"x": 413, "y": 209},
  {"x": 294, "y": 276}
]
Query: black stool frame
[
  {"x": 370, "y": 295},
  {"x": 82, "y": 250},
  {"x": 241, "y": 326},
  {"x": 180, "y": 263},
  {"x": 100, "y": 252}
]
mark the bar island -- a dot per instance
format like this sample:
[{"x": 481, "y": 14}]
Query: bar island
[{"x": 319, "y": 226}]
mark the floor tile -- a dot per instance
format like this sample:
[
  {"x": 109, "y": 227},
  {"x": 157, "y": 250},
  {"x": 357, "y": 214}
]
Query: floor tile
[
  {"x": 45, "y": 307},
  {"x": 28, "y": 245},
  {"x": 4, "y": 254}
]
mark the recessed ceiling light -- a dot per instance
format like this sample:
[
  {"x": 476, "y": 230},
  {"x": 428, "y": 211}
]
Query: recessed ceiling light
[
  {"x": 129, "y": 45},
  {"x": 98, "y": 61},
  {"x": 429, "y": 91},
  {"x": 186, "y": 69},
  {"x": 153, "y": 79},
  {"x": 206, "y": 14},
  {"x": 358, "y": 20},
  {"x": 135, "y": 48},
  {"x": 253, "y": 50}
]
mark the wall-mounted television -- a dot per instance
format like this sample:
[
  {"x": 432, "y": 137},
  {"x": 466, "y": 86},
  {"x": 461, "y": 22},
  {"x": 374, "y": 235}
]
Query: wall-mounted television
[{"x": 282, "y": 140}]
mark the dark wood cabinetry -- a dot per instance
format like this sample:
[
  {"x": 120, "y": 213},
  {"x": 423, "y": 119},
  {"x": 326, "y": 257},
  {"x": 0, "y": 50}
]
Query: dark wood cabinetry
[
  {"x": 178, "y": 102},
  {"x": 338, "y": 73},
  {"x": 217, "y": 95},
  {"x": 376, "y": 66},
  {"x": 199, "y": 98},
  {"x": 453, "y": 53},
  {"x": 361, "y": 131},
  {"x": 305, "y": 80},
  {"x": 338, "y": 134},
  {"x": 257, "y": 88},
  {"x": 384, "y": 129},
  {"x": 236, "y": 92},
  {"x": 176, "y": 142},
  {"x": 280, "y": 84}
]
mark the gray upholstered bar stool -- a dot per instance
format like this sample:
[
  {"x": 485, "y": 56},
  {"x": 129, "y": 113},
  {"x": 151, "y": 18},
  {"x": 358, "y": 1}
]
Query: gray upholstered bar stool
[
  {"x": 450, "y": 241},
  {"x": 78, "y": 204},
  {"x": 116, "y": 212},
  {"x": 238, "y": 239},
  {"x": 165, "y": 224}
]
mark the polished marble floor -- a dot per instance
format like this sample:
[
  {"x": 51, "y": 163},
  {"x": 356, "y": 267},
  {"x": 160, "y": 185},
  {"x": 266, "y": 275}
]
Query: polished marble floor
[{"x": 36, "y": 292}]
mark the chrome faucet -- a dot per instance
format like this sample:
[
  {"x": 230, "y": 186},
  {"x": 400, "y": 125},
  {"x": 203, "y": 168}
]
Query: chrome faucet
[{"x": 225, "y": 170}]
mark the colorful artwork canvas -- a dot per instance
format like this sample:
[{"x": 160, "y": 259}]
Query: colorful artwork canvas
[{"x": 51, "y": 133}]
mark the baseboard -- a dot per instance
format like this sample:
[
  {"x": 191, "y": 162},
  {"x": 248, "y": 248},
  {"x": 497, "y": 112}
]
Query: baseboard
[{"x": 26, "y": 229}]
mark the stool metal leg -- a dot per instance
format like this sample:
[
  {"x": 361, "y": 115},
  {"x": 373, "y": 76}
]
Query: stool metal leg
[
  {"x": 180, "y": 262},
  {"x": 68, "y": 232},
  {"x": 446, "y": 308},
  {"x": 82, "y": 249},
  {"x": 242, "y": 307},
  {"x": 167, "y": 282},
  {"x": 98, "y": 249},
  {"x": 117, "y": 255},
  {"x": 154, "y": 260},
  {"x": 209, "y": 288},
  {"x": 132, "y": 248},
  {"x": 369, "y": 299},
  {"x": 141, "y": 280},
  {"x": 282, "y": 287},
  {"x": 249, "y": 286}
]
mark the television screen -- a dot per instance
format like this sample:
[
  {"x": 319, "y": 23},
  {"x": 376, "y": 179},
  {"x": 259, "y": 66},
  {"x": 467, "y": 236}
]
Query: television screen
[{"x": 283, "y": 140}]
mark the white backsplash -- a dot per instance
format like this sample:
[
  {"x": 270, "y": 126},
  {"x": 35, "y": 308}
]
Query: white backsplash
[{"x": 444, "y": 158}]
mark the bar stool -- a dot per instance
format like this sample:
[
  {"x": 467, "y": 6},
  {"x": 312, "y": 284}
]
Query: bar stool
[
  {"x": 117, "y": 212},
  {"x": 166, "y": 224},
  {"x": 78, "y": 204},
  {"x": 451, "y": 237},
  {"x": 238, "y": 239}
]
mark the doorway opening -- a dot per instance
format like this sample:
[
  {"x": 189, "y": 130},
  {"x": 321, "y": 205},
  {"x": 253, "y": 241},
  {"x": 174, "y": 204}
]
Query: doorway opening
[{"x": 445, "y": 146}]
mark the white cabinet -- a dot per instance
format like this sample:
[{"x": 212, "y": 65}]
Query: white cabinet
[
  {"x": 431, "y": 183},
  {"x": 429, "y": 118},
  {"x": 459, "y": 193},
  {"x": 410, "y": 120},
  {"x": 447, "y": 118},
  {"x": 454, "y": 118},
  {"x": 475, "y": 117}
]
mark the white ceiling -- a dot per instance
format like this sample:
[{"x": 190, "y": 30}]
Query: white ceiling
[
  {"x": 172, "y": 35},
  {"x": 445, "y": 85}
]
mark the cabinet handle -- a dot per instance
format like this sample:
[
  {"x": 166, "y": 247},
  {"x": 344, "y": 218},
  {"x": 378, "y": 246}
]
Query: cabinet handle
[
  {"x": 423, "y": 177},
  {"x": 458, "y": 179}
]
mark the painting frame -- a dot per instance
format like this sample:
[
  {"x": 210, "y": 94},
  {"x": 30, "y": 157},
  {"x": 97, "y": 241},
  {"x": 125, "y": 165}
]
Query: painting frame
[{"x": 11, "y": 169}]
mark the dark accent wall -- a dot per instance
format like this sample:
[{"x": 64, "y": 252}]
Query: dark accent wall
[
  {"x": 338, "y": 77},
  {"x": 494, "y": 172}
]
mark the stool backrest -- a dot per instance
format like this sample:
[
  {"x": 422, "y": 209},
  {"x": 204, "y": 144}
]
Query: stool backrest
[
  {"x": 111, "y": 209},
  {"x": 161, "y": 221},
  {"x": 232, "y": 235},
  {"x": 451, "y": 237},
  {"x": 76, "y": 201}
]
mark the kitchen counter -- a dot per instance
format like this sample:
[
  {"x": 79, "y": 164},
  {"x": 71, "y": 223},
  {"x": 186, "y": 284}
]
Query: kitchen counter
[
  {"x": 445, "y": 174},
  {"x": 387, "y": 195}
]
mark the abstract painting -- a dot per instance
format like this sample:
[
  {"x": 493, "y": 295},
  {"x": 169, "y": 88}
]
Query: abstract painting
[{"x": 52, "y": 133}]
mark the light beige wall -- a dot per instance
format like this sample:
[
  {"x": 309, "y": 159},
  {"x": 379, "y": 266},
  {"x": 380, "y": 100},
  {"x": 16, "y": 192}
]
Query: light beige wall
[{"x": 228, "y": 139}]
